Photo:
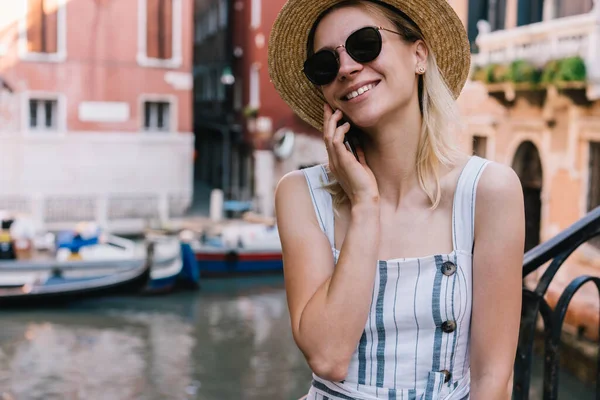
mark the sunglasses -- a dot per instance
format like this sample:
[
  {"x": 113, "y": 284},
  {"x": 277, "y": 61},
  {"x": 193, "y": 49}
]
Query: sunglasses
[{"x": 363, "y": 45}]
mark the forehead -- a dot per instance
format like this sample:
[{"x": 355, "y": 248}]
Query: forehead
[{"x": 336, "y": 26}]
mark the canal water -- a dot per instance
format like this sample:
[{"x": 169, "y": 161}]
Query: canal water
[{"x": 231, "y": 340}]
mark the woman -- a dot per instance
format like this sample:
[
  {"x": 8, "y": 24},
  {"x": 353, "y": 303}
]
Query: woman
[{"x": 402, "y": 263}]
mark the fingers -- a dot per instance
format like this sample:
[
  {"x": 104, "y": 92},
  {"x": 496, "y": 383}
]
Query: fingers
[
  {"x": 338, "y": 141},
  {"x": 330, "y": 120}
]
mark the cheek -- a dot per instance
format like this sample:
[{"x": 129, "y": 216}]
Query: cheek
[{"x": 329, "y": 97}]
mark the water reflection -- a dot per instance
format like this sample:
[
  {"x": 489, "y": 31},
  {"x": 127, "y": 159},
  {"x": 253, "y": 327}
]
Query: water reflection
[{"x": 228, "y": 341}]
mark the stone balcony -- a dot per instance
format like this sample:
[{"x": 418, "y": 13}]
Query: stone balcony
[{"x": 539, "y": 43}]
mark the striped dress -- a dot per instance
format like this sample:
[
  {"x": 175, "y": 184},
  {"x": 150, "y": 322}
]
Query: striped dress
[{"x": 415, "y": 344}]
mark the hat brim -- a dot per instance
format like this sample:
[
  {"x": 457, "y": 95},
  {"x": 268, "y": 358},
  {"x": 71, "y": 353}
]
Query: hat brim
[{"x": 441, "y": 27}]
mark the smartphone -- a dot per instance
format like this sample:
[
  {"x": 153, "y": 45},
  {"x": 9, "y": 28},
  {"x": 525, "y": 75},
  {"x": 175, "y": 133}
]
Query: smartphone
[{"x": 350, "y": 139}]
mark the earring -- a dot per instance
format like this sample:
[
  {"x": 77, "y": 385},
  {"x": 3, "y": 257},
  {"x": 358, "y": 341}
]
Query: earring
[{"x": 420, "y": 69}]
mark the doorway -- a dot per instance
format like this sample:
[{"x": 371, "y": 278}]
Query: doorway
[{"x": 528, "y": 166}]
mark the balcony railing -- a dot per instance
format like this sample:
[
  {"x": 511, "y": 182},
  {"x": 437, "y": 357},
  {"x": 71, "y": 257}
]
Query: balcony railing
[
  {"x": 541, "y": 42},
  {"x": 554, "y": 251}
]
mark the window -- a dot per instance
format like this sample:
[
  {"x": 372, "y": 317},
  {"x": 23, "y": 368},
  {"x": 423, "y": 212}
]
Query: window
[
  {"x": 255, "y": 14},
  {"x": 160, "y": 33},
  {"x": 212, "y": 20},
  {"x": 254, "y": 86},
  {"x": 594, "y": 183},
  {"x": 42, "y": 26},
  {"x": 159, "y": 29},
  {"x": 43, "y": 115},
  {"x": 237, "y": 93},
  {"x": 220, "y": 86},
  {"x": 223, "y": 13},
  {"x": 573, "y": 7},
  {"x": 199, "y": 31},
  {"x": 157, "y": 116},
  {"x": 497, "y": 14},
  {"x": 493, "y": 11},
  {"x": 530, "y": 11},
  {"x": 479, "y": 146}
]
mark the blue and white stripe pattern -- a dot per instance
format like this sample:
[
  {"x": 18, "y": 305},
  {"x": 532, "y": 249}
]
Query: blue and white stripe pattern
[{"x": 407, "y": 350}]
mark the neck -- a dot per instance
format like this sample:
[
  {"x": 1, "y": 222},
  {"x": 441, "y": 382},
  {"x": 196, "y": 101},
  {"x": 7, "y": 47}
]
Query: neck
[{"x": 391, "y": 152}]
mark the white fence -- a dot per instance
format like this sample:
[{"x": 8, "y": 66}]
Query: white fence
[
  {"x": 541, "y": 42},
  {"x": 120, "y": 180}
]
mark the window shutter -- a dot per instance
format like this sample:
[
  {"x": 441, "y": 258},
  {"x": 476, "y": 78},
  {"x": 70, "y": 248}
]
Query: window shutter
[
  {"x": 50, "y": 33},
  {"x": 152, "y": 28},
  {"x": 166, "y": 29},
  {"x": 34, "y": 25}
]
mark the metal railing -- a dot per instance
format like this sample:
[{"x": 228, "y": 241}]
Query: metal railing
[{"x": 556, "y": 250}]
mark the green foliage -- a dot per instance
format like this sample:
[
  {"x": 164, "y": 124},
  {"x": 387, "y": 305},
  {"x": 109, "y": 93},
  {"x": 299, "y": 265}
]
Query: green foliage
[
  {"x": 550, "y": 71},
  {"x": 492, "y": 73},
  {"x": 571, "y": 69},
  {"x": 521, "y": 71}
]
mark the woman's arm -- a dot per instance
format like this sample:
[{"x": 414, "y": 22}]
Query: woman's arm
[
  {"x": 328, "y": 306},
  {"x": 497, "y": 282}
]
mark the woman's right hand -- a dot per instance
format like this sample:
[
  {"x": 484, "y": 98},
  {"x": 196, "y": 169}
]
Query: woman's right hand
[{"x": 355, "y": 177}]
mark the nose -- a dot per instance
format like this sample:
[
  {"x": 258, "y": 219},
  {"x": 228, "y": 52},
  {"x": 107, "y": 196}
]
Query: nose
[{"x": 348, "y": 66}]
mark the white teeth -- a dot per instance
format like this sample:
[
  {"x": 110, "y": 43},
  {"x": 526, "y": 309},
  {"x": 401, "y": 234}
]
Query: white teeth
[{"x": 360, "y": 91}]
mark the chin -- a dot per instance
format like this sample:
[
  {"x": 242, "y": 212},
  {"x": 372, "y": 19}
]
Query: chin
[{"x": 365, "y": 120}]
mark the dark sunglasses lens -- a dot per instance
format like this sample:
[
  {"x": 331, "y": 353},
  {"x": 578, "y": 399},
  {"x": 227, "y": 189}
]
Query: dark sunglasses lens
[
  {"x": 322, "y": 67},
  {"x": 364, "y": 45}
]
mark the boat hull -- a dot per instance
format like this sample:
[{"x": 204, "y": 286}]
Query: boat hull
[
  {"x": 223, "y": 262},
  {"x": 59, "y": 289}
]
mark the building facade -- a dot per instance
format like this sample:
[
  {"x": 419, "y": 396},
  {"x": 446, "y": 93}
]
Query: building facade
[
  {"x": 239, "y": 115},
  {"x": 533, "y": 103},
  {"x": 99, "y": 122}
]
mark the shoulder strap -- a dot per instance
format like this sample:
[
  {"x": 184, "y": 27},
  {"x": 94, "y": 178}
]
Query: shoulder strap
[
  {"x": 463, "y": 209},
  {"x": 316, "y": 178}
]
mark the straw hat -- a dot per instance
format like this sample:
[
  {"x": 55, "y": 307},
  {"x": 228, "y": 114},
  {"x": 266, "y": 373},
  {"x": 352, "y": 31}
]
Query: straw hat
[{"x": 441, "y": 28}]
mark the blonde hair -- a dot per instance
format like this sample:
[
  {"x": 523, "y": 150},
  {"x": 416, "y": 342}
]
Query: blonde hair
[{"x": 437, "y": 142}]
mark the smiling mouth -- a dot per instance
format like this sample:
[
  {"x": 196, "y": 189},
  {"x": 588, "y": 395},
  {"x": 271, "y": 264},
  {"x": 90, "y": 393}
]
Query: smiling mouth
[{"x": 360, "y": 91}]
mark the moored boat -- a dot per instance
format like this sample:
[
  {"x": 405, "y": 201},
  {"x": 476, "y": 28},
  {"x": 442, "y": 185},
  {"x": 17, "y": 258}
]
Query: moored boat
[
  {"x": 239, "y": 249},
  {"x": 86, "y": 262},
  {"x": 51, "y": 283}
]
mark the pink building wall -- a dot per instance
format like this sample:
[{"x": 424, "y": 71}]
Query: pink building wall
[{"x": 101, "y": 63}]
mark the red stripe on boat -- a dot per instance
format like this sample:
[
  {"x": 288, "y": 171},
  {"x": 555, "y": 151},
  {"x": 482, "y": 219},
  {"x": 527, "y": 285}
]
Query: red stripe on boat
[{"x": 239, "y": 257}]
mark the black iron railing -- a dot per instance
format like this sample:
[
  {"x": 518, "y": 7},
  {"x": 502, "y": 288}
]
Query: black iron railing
[{"x": 556, "y": 250}]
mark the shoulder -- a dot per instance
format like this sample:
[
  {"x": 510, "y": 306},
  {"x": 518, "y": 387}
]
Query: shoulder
[
  {"x": 297, "y": 180},
  {"x": 499, "y": 198},
  {"x": 292, "y": 194},
  {"x": 498, "y": 182}
]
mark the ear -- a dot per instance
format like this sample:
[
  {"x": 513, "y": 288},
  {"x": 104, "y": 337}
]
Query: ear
[{"x": 421, "y": 52}]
